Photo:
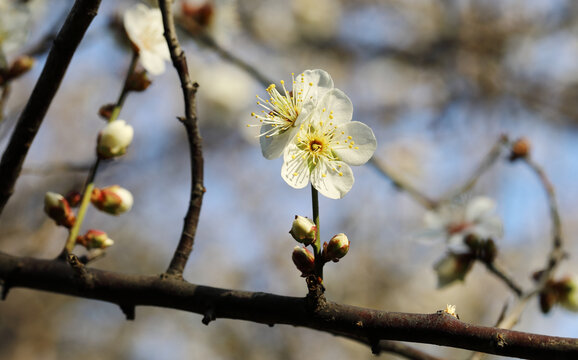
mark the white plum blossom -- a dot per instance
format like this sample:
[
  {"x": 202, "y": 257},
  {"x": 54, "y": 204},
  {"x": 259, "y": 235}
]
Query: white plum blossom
[
  {"x": 455, "y": 221},
  {"x": 283, "y": 113},
  {"x": 144, "y": 27},
  {"x": 327, "y": 142}
]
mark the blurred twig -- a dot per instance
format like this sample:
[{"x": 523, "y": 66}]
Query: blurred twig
[
  {"x": 402, "y": 185},
  {"x": 60, "y": 55},
  {"x": 198, "y": 33},
  {"x": 484, "y": 165},
  {"x": 185, "y": 246}
]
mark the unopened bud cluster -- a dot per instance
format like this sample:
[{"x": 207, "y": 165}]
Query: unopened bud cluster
[{"x": 304, "y": 231}]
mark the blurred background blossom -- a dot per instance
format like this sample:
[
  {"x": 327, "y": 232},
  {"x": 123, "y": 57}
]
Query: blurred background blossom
[{"x": 438, "y": 81}]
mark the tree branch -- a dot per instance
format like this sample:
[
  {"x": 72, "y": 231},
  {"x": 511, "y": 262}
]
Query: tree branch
[
  {"x": 185, "y": 246},
  {"x": 63, "y": 49},
  {"x": 357, "y": 323}
]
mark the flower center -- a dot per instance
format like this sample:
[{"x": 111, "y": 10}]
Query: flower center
[{"x": 316, "y": 146}]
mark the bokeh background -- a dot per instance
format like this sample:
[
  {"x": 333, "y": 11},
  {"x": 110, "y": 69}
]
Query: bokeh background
[{"x": 438, "y": 81}]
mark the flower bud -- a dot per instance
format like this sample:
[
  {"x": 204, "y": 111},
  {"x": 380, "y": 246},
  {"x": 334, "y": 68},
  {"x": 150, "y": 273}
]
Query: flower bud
[
  {"x": 94, "y": 239},
  {"x": 304, "y": 260},
  {"x": 114, "y": 139},
  {"x": 453, "y": 267},
  {"x": 57, "y": 208},
  {"x": 337, "y": 248},
  {"x": 520, "y": 149},
  {"x": 112, "y": 200},
  {"x": 138, "y": 81},
  {"x": 303, "y": 230},
  {"x": 569, "y": 295},
  {"x": 20, "y": 66}
]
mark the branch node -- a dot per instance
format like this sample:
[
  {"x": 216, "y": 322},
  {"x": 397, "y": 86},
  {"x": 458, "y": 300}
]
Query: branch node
[
  {"x": 209, "y": 316},
  {"x": 315, "y": 297},
  {"x": 375, "y": 348},
  {"x": 80, "y": 270},
  {"x": 128, "y": 311}
]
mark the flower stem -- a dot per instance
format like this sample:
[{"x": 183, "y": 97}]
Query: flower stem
[
  {"x": 317, "y": 244},
  {"x": 86, "y": 194},
  {"x": 125, "y": 90},
  {"x": 89, "y": 184}
]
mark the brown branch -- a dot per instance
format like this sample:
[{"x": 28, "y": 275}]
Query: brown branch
[
  {"x": 60, "y": 55},
  {"x": 185, "y": 246},
  {"x": 353, "y": 322}
]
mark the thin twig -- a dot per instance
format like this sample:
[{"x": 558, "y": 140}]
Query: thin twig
[
  {"x": 492, "y": 156},
  {"x": 185, "y": 246},
  {"x": 502, "y": 275},
  {"x": 345, "y": 320},
  {"x": 60, "y": 55},
  {"x": 556, "y": 253},
  {"x": 199, "y": 33},
  {"x": 402, "y": 185}
]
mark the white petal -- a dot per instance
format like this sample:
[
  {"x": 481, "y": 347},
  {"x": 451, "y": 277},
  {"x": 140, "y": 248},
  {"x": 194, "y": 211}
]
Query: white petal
[
  {"x": 294, "y": 171},
  {"x": 339, "y": 104},
  {"x": 364, "y": 143},
  {"x": 331, "y": 183},
  {"x": 135, "y": 19},
  {"x": 273, "y": 146},
  {"x": 152, "y": 63},
  {"x": 479, "y": 207},
  {"x": 433, "y": 220},
  {"x": 490, "y": 227},
  {"x": 317, "y": 77}
]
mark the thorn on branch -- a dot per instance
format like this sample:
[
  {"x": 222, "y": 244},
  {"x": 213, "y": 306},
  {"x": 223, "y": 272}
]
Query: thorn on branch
[
  {"x": 375, "y": 348},
  {"x": 128, "y": 311},
  {"x": 209, "y": 316},
  {"x": 5, "y": 289}
]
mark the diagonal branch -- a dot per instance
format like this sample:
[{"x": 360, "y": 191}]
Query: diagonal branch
[
  {"x": 63, "y": 49},
  {"x": 353, "y": 322},
  {"x": 185, "y": 246}
]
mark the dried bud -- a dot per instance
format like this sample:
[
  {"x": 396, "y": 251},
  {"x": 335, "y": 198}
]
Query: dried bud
[
  {"x": 138, "y": 81},
  {"x": 114, "y": 139},
  {"x": 113, "y": 200},
  {"x": 19, "y": 67},
  {"x": 337, "y": 248},
  {"x": 73, "y": 198},
  {"x": 57, "y": 208},
  {"x": 106, "y": 110},
  {"x": 94, "y": 239},
  {"x": 453, "y": 267},
  {"x": 520, "y": 149},
  {"x": 201, "y": 15},
  {"x": 304, "y": 260},
  {"x": 303, "y": 230}
]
